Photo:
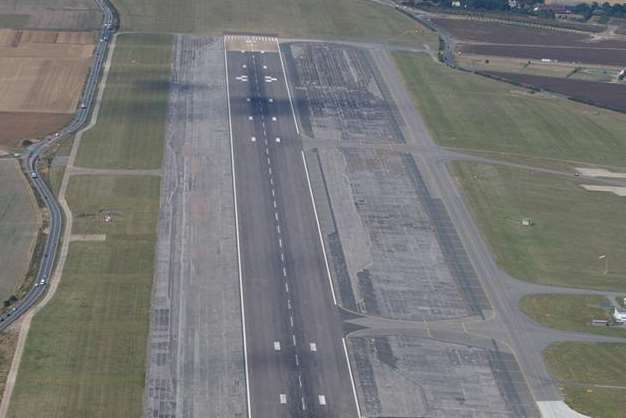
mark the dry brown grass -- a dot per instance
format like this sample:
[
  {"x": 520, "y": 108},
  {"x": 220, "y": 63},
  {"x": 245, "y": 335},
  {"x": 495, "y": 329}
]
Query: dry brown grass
[{"x": 8, "y": 341}]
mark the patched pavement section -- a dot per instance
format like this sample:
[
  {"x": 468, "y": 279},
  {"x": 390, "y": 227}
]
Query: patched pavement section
[
  {"x": 438, "y": 378},
  {"x": 196, "y": 364},
  {"x": 394, "y": 250}
]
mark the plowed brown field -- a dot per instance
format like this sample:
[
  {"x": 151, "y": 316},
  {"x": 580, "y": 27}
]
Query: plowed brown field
[{"x": 41, "y": 79}]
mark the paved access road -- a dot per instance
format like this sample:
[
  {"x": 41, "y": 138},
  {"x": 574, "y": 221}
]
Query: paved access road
[
  {"x": 31, "y": 158},
  {"x": 296, "y": 364}
]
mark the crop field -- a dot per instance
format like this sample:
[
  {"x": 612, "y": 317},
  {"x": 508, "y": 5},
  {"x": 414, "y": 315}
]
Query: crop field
[
  {"x": 483, "y": 31},
  {"x": 472, "y": 30},
  {"x": 572, "y": 71},
  {"x": 19, "y": 223},
  {"x": 41, "y": 78},
  {"x": 341, "y": 19},
  {"x": 475, "y": 113},
  {"x": 75, "y": 15},
  {"x": 601, "y": 94},
  {"x": 134, "y": 107},
  {"x": 592, "y": 376},
  {"x": 570, "y": 312},
  {"x": 572, "y": 227},
  {"x": 588, "y": 55},
  {"x": 514, "y": 65}
]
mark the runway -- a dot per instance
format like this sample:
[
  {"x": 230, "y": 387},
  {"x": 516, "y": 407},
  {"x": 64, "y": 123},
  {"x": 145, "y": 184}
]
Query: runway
[{"x": 296, "y": 364}]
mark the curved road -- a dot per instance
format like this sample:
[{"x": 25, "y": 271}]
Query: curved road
[{"x": 31, "y": 158}]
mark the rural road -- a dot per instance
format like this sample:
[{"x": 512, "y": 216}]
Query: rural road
[
  {"x": 296, "y": 364},
  {"x": 45, "y": 194}
]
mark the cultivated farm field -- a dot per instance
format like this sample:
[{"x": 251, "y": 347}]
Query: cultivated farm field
[
  {"x": 607, "y": 95},
  {"x": 19, "y": 223},
  {"x": 587, "y": 55},
  {"x": 41, "y": 79},
  {"x": 50, "y": 14},
  {"x": 468, "y": 30}
]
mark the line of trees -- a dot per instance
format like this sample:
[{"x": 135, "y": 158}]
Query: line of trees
[{"x": 612, "y": 10}]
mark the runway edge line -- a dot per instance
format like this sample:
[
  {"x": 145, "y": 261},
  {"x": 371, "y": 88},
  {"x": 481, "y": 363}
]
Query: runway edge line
[{"x": 243, "y": 314}]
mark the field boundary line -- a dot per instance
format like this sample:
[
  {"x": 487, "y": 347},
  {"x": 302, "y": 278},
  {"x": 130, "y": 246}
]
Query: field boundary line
[{"x": 25, "y": 322}]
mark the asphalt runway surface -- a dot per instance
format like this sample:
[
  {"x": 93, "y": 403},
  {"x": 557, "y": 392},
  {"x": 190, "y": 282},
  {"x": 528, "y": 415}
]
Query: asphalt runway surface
[{"x": 296, "y": 363}]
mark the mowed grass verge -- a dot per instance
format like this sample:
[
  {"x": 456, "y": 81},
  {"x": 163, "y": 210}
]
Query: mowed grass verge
[
  {"x": 592, "y": 376},
  {"x": 572, "y": 227},
  {"x": 472, "y": 112},
  {"x": 325, "y": 19},
  {"x": 85, "y": 355},
  {"x": 570, "y": 312},
  {"x": 86, "y": 352},
  {"x": 134, "y": 107}
]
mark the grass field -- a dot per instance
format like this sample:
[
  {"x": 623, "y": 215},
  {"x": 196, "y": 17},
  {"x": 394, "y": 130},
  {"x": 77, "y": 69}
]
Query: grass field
[
  {"x": 572, "y": 227},
  {"x": 85, "y": 355},
  {"x": 570, "y": 312},
  {"x": 8, "y": 342},
  {"x": 19, "y": 223},
  {"x": 129, "y": 200},
  {"x": 581, "y": 366},
  {"x": 468, "y": 111},
  {"x": 50, "y": 14},
  {"x": 86, "y": 351},
  {"x": 594, "y": 401},
  {"x": 327, "y": 19},
  {"x": 134, "y": 108}
]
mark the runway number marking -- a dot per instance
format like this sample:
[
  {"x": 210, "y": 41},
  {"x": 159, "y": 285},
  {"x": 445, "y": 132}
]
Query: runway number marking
[
  {"x": 313, "y": 346},
  {"x": 253, "y": 139},
  {"x": 283, "y": 398},
  {"x": 322, "y": 399},
  {"x": 276, "y": 345}
]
